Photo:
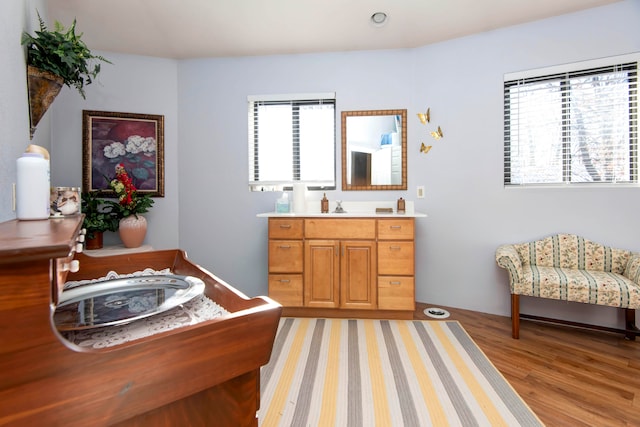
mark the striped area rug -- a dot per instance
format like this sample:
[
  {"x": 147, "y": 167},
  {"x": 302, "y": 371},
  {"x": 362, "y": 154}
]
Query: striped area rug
[{"x": 339, "y": 372}]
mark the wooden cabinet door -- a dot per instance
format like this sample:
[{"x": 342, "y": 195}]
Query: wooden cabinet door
[
  {"x": 322, "y": 273},
  {"x": 358, "y": 281}
]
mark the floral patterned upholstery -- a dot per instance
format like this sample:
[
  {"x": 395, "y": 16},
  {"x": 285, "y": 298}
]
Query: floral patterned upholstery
[{"x": 571, "y": 268}]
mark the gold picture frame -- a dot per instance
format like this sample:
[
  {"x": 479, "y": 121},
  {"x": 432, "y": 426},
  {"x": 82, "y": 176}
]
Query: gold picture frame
[{"x": 134, "y": 140}]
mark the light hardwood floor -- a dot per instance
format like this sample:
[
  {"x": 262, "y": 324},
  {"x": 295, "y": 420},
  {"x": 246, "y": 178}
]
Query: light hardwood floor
[{"x": 567, "y": 376}]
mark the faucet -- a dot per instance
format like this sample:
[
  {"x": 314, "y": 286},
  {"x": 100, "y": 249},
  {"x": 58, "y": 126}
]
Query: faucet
[{"x": 339, "y": 208}]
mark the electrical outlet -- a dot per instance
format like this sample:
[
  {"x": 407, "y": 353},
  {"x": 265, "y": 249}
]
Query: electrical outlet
[{"x": 420, "y": 192}]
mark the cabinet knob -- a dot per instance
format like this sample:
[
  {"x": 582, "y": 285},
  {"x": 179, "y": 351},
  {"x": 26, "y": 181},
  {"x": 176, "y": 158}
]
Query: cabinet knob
[
  {"x": 285, "y": 225},
  {"x": 73, "y": 266},
  {"x": 285, "y": 246},
  {"x": 394, "y": 248},
  {"x": 393, "y": 227},
  {"x": 395, "y": 283},
  {"x": 79, "y": 248},
  {"x": 285, "y": 280}
]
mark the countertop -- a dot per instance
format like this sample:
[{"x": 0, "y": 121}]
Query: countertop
[{"x": 352, "y": 210}]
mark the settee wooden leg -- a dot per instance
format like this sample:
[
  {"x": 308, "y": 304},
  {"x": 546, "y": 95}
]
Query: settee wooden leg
[
  {"x": 515, "y": 316},
  {"x": 630, "y": 324}
]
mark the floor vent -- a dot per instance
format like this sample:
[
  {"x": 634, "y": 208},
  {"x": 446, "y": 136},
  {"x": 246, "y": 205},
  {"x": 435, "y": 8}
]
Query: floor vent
[{"x": 436, "y": 313}]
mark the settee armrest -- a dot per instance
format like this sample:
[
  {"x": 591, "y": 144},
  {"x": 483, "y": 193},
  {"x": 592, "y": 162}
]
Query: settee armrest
[
  {"x": 507, "y": 257},
  {"x": 632, "y": 270}
]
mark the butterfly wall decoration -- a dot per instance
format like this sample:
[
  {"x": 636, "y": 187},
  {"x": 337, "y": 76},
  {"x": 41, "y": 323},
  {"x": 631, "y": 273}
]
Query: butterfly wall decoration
[
  {"x": 436, "y": 134},
  {"x": 425, "y": 117}
]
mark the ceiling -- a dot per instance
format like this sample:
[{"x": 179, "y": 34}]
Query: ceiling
[{"x": 214, "y": 28}]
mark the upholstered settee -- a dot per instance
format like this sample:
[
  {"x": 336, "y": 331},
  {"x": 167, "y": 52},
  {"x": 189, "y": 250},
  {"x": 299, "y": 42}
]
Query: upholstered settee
[{"x": 571, "y": 268}]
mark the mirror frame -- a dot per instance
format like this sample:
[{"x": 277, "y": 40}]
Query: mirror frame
[{"x": 351, "y": 187}]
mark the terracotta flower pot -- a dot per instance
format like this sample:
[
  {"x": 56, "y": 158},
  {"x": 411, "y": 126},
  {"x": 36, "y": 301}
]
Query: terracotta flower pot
[
  {"x": 132, "y": 230},
  {"x": 96, "y": 242}
]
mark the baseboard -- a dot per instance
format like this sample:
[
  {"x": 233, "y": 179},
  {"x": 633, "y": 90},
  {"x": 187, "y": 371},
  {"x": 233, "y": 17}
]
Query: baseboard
[{"x": 347, "y": 313}]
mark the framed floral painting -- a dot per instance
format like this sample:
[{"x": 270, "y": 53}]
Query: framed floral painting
[{"x": 134, "y": 140}]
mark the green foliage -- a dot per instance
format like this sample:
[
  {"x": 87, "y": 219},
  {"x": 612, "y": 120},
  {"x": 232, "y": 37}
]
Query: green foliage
[
  {"x": 63, "y": 53},
  {"x": 141, "y": 204},
  {"x": 99, "y": 214}
]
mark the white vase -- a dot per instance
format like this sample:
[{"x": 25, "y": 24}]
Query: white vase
[{"x": 132, "y": 230}]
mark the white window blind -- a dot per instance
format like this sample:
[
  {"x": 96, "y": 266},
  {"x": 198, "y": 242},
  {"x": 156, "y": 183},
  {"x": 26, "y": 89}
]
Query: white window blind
[
  {"x": 572, "y": 127},
  {"x": 291, "y": 139}
]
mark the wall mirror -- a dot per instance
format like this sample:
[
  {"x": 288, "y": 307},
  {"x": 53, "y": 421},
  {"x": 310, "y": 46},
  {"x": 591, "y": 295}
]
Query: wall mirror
[{"x": 374, "y": 150}]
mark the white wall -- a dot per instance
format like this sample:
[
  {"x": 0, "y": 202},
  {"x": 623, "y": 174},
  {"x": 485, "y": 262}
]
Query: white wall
[
  {"x": 470, "y": 214},
  {"x": 15, "y": 18},
  {"x": 218, "y": 224},
  {"x": 133, "y": 84}
]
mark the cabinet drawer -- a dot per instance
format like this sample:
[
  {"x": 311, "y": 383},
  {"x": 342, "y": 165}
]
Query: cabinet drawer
[
  {"x": 340, "y": 228},
  {"x": 285, "y": 256},
  {"x": 286, "y": 289},
  {"x": 395, "y": 229},
  {"x": 395, "y": 258},
  {"x": 285, "y": 228},
  {"x": 396, "y": 293}
]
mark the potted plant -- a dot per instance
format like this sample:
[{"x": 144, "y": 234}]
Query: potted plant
[
  {"x": 56, "y": 57},
  {"x": 99, "y": 217},
  {"x": 132, "y": 226}
]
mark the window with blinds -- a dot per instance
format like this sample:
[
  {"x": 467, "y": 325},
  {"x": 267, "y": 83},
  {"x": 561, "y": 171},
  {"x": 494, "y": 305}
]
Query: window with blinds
[
  {"x": 572, "y": 127},
  {"x": 292, "y": 139}
]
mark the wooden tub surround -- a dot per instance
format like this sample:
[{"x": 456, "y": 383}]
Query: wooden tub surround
[{"x": 200, "y": 375}]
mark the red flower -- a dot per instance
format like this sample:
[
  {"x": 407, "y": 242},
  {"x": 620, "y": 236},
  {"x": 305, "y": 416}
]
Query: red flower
[{"x": 130, "y": 201}]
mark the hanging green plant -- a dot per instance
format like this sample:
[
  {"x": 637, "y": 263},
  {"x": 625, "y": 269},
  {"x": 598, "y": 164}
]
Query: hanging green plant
[{"x": 63, "y": 53}]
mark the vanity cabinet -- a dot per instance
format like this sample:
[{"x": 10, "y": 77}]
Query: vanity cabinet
[{"x": 348, "y": 266}]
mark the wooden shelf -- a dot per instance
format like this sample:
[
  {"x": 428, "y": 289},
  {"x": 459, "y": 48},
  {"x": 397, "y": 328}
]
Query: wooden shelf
[{"x": 117, "y": 250}]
